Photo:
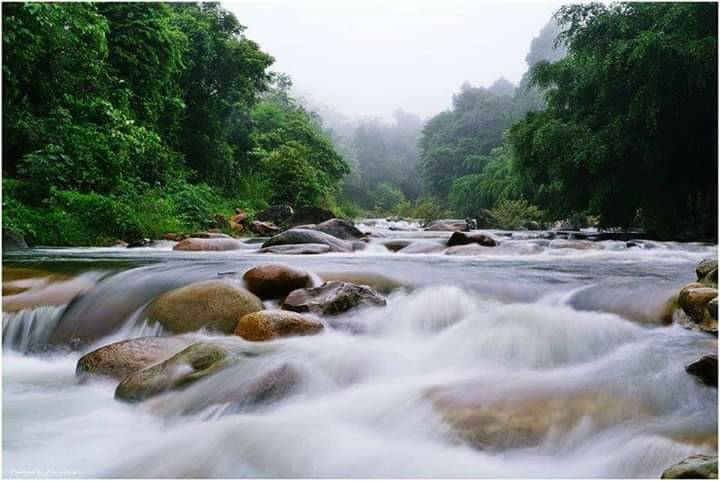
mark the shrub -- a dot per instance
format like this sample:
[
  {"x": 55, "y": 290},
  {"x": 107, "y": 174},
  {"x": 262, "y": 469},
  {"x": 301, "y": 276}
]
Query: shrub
[{"x": 514, "y": 214}]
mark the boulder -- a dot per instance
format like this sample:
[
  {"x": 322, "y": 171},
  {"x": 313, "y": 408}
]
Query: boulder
[
  {"x": 263, "y": 228},
  {"x": 193, "y": 363},
  {"x": 342, "y": 229},
  {"x": 277, "y": 214},
  {"x": 333, "y": 297},
  {"x": 447, "y": 225},
  {"x": 461, "y": 238},
  {"x": 308, "y": 215},
  {"x": 694, "y": 299},
  {"x": 705, "y": 267},
  {"x": 210, "y": 234},
  {"x": 397, "y": 244},
  {"x": 422, "y": 247},
  {"x": 700, "y": 466},
  {"x": 572, "y": 244},
  {"x": 711, "y": 279},
  {"x": 525, "y": 421},
  {"x": 143, "y": 242},
  {"x": 12, "y": 240},
  {"x": 307, "y": 236},
  {"x": 379, "y": 282},
  {"x": 296, "y": 249},
  {"x": 271, "y": 324},
  {"x": 705, "y": 369},
  {"x": 121, "y": 359},
  {"x": 40, "y": 289},
  {"x": 120, "y": 243},
  {"x": 215, "y": 304},
  {"x": 712, "y": 308},
  {"x": 274, "y": 281},
  {"x": 208, "y": 244}
]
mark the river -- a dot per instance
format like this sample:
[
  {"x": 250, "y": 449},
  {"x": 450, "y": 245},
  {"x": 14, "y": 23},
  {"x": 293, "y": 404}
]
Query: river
[{"x": 557, "y": 359}]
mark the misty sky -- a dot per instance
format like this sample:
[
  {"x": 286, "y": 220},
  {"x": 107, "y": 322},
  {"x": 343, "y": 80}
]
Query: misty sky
[{"x": 369, "y": 57}]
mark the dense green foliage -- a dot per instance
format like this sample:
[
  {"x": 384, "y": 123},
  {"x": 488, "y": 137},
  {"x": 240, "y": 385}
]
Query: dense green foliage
[
  {"x": 631, "y": 121},
  {"x": 123, "y": 120},
  {"x": 465, "y": 162}
]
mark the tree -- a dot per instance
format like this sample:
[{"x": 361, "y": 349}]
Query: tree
[{"x": 631, "y": 116}]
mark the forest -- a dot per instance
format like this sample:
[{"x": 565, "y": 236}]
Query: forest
[{"x": 130, "y": 120}]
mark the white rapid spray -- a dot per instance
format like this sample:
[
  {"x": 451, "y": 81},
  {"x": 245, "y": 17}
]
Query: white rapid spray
[{"x": 450, "y": 379}]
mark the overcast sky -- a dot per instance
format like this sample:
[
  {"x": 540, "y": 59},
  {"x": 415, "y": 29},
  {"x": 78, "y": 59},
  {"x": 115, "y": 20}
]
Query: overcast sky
[{"x": 369, "y": 57}]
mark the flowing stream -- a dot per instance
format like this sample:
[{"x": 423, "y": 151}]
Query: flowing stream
[{"x": 552, "y": 362}]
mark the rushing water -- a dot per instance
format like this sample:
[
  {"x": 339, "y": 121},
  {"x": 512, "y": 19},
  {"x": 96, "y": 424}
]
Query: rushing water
[{"x": 563, "y": 352}]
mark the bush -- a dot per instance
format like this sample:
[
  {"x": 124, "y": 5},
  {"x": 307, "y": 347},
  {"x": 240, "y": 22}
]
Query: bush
[
  {"x": 514, "y": 214},
  {"x": 424, "y": 209},
  {"x": 386, "y": 197}
]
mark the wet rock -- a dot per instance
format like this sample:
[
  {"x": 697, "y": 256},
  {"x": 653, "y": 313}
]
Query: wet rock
[
  {"x": 307, "y": 236},
  {"x": 277, "y": 214},
  {"x": 333, "y": 297},
  {"x": 119, "y": 243},
  {"x": 705, "y": 267},
  {"x": 12, "y": 240},
  {"x": 572, "y": 244},
  {"x": 379, "y": 282},
  {"x": 712, "y": 308},
  {"x": 520, "y": 422},
  {"x": 121, "y": 359},
  {"x": 208, "y": 244},
  {"x": 422, "y": 247},
  {"x": 210, "y": 234},
  {"x": 705, "y": 369},
  {"x": 700, "y": 466},
  {"x": 461, "y": 238},
  {"x": 193, "y": 363},
  {"x": 296, "y": 249},
  {"x": 215, "y": 304},
  {"x": 397, "y": 244},
  {"x": 144, "y": 242},
  {"x": 342, "y": 229},
  {"x": 271, "y": 324},
  {"x": 308, "y": 215},
  {"x": 694, "y": 299},
  {"x": 40, "y": 289},
  {"x": 263, "y": 228},
  {"x": 274, "y": 281},
  {"x": 711, "y": 279},
  {"x": 447, "y": 225}
]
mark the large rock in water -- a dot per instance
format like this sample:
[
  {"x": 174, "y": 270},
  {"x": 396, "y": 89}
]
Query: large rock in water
[
  {"x": 277, "y": 214},
  {"x": 332, "y": 297},
  {"x": 694, "y": 299},
  {"x": 186, "y": 367},
  {"x": 705, "y": 369},
  {"x": 263, "y": 228},
  {"x": 461, "y": 238},
  {"x": 705, "y": 267},
  {"x": 342, "y": 229},
  {"x": 121, "y": 359},
  {"x": 274, "y": 281},
  {"x": 271, "y": 324},
  {"x": 307, "y": 236},
  {"x": 525, "y": 421},
  {"x": 216, "y": 304},
  {"x": 208, "y": 244},
  {"x": 296, "y": 249},
  {"x": 700, "y": 466},
  {"x": 448, "y": 225},
  {"x": 308, "y": 215},
  {"x": 397, "y": 244}
]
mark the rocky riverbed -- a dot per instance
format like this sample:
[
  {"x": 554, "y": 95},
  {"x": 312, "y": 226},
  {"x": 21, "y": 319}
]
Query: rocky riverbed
[{"x": 370, "y": 349}]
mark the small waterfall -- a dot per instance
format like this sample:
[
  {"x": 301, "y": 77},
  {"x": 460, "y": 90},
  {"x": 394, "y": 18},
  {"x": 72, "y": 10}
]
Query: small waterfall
[{"x": 30, "y": 328}]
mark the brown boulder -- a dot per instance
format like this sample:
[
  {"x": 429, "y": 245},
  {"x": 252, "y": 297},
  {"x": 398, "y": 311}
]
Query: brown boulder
[
  {"x": 274, "y": 281},
  {"x": 332, "y": 297},
  {"x": 120, "y": 359},
  {"x": 215, "y": 304},
  {"x": 461, "y": 238},
  {"x": 694, "y": 299},
  {"x": 208, "y": 244},
  {"x": 271, "y": 324}
]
